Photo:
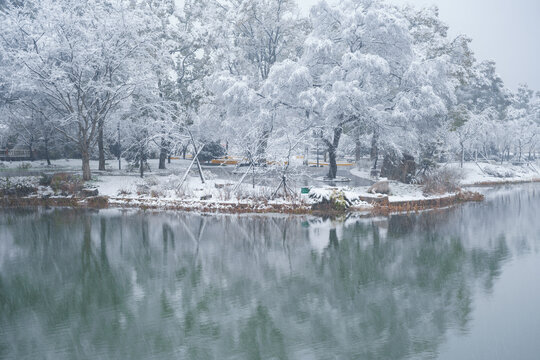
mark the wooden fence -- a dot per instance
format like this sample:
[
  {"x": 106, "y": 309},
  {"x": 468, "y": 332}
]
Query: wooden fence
[{"x": 14, "y": 154}]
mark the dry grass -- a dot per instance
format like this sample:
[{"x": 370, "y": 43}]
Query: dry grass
[
  {"x": 441, "y": 181},
  {"x": 99, "y": 202},
  {"x": 66, "y": 183}
]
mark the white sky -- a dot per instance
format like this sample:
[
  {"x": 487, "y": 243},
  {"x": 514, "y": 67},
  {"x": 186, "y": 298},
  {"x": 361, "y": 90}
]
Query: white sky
[{"x": 507, "y": 31}]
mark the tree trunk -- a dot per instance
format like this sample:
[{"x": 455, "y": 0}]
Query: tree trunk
[
  {"x": 87, "y": 175},
  {"x": 357, "y": 147},
  {"x": 141, "y": 161},
  {"x": 162, "y": 154},
  {"x": 462, "y": 156},
  {"x": 47, "y": 156},
  {"x": 262, "y": 146},
  {"x": 31, "y": 152},
  {"x": 332, "y": 149},
  {"x": 374, "y": 152},
  {"x": 332, "y": 171},
  {"x": 101, "y": 149}
]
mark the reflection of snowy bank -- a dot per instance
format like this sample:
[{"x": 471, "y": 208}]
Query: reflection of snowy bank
[
  {"x": 323, "y": 232},
  {"x": 327, "y": 233}
]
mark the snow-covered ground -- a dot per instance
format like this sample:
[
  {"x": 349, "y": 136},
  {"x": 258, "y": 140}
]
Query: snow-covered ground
[
  {"x": 111, "y": 166},
  {"x": 476, "y": 174},
  {"x": 162, "y": 188},
  {"x": 481, "y": 173}
]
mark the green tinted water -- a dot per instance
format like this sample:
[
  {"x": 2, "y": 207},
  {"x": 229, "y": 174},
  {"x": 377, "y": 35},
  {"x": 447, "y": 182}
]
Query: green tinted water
[{"x": 460, "y": 283}]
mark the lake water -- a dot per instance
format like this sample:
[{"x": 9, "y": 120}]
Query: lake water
[{"x": 461, "y": 283}]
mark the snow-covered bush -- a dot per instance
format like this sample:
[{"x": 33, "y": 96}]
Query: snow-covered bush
[
  {"x": 66, "y": 183},
  {"x": 441, "y": 181},
  {"x": 17, "y": 186},
  {"x": 212, "y": 150},
  {"x": 498, "y": 171},
  {"x": 151, "y": 181},
  {"x": 24, "y": 166},
  {"x": 335, "y": 198}
]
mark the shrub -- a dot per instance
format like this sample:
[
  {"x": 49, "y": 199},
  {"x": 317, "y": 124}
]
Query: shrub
[
  {"x": 25, "y": 166},
  {"x": 123, "y": 192},
  {"x": 45, "y": 180},
  {"x": 330, "y": 200},
  {"x": 98, "y": 201},
  {"x": 151, "y": 181},
  {"x": 66, "y": 183},
  {"x": 498, "y": 171},
  {"x": 441, "y": 181},
  {"x": 16, "y": 188},
  {"x": 211, "y": 150}
]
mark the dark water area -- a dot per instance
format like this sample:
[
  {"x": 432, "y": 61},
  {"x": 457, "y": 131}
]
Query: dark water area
[{"x": 460, "y": 283}]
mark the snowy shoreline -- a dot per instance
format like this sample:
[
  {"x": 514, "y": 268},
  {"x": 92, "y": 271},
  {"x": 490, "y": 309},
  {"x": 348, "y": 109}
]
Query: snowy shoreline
[
  {"x": 316, "y": 202},
  {"x": 101, "y": 202},
  {"x": 161, "y": 191}
]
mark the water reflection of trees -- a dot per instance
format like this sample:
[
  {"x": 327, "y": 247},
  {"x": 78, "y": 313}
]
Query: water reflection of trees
[{"x": 135, "y": 286}]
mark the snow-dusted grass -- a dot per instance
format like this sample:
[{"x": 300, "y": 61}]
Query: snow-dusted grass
[
  {"x": 484, "y": 173},
  {"x": 472, "y": 174},
  {"x": 75, "y": 165}
]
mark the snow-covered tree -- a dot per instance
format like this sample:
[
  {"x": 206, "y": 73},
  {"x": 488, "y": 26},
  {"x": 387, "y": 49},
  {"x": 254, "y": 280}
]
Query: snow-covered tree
[
  {"x": 80, "y": 56},
  {"x": 363, "y": 69},
  {"x": 249, "y": 38}
]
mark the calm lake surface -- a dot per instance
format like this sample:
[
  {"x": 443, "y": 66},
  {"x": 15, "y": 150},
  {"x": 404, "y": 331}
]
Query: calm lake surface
[{"x": 461, "y": 283}]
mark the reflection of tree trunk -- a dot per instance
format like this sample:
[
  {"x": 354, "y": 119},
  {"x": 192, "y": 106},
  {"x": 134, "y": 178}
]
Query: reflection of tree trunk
[
  {"x": 332, "y": 149},
  {"x": 103, "y": 243},
  {"x": 165, "y": 235},
  {"x": 333, "y": 239},
  {"x": 86, "y": 254},
  {"x": 101, "y": 148},
  {"x": 144, "y": 231}
]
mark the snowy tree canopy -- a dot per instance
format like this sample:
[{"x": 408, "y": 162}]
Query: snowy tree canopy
[{"x": 359, "y": 76}]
